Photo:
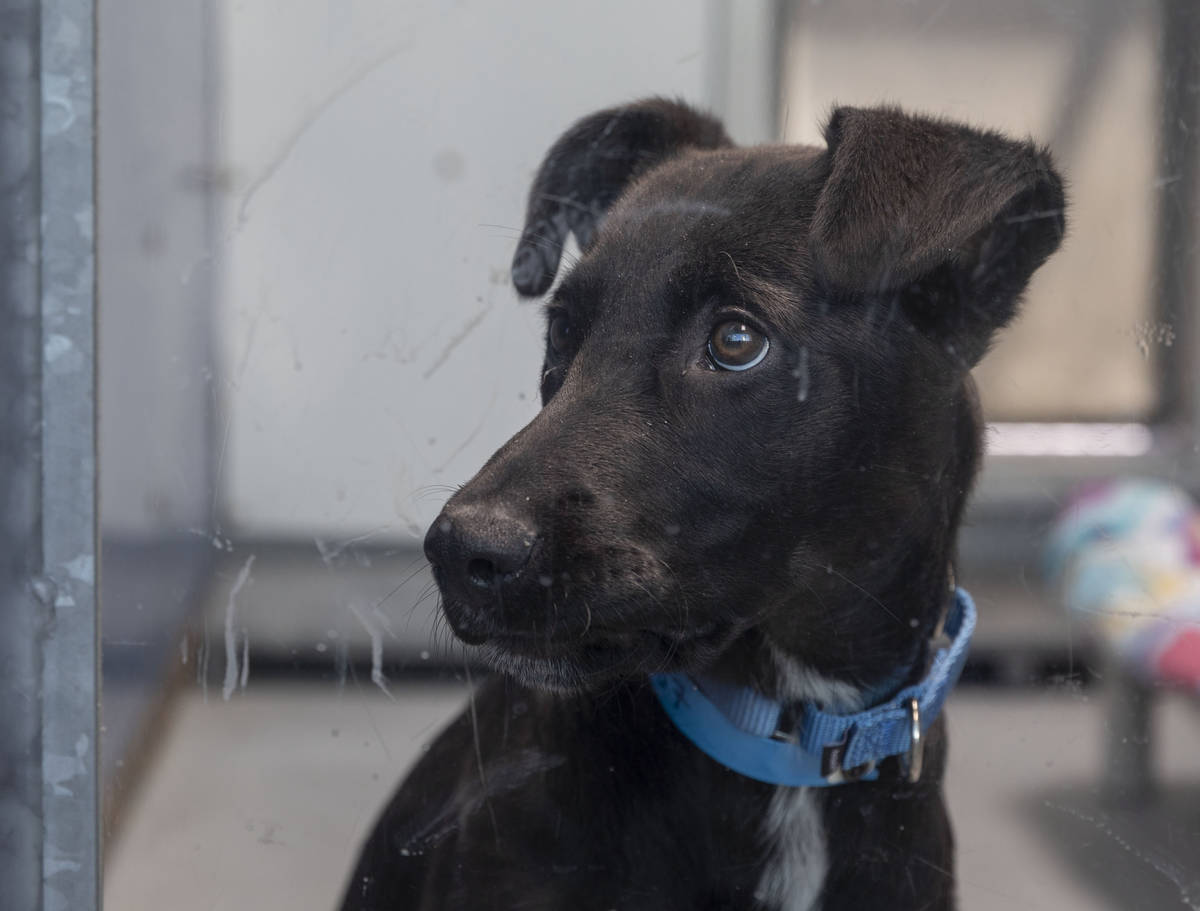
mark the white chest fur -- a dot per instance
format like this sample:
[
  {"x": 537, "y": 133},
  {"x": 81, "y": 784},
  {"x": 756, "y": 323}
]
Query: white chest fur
[
  {"x": 798, "y": 860},
  {"x": 793, "y": 829}
]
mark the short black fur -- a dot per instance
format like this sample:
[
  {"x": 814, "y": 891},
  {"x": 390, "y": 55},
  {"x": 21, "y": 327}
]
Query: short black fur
[{"x": 789, "y": 527}]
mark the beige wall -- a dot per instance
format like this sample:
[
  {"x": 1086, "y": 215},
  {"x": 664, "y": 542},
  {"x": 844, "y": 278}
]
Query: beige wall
[{"x": 1079, "y": 350}]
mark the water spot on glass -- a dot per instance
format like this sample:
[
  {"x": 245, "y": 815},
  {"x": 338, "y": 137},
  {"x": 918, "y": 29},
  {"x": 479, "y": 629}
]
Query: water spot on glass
[
  {"x": 449, "y": 165},
  {"x": 153, "y": 239},
  {"x": 1149, "y": 333},
  {"x": 800, "y": 374}
]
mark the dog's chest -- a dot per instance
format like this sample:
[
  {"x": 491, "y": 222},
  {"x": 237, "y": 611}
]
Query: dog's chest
[{"x": 797, "y": 859}]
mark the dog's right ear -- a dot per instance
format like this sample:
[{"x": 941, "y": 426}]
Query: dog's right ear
[{"x": 588, "y": 168}]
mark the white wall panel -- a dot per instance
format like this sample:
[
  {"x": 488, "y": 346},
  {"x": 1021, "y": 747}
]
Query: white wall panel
[{"x": 379, "y": 155}]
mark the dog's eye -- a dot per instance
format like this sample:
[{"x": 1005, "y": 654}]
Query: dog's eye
[
  {"x": 561, "y": 337},
  {"x": 734, "y": 345}
]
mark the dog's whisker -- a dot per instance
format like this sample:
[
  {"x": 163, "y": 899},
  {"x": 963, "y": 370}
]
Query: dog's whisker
[
  {"x": 569, "y": 201},
  {"x": 424, "y": 564},
  {"x": 430, "y": 592},
  {"x": 681, "y": 601},
  {"x": 540, "y": 240},
  {"x": 437, "y": 488},
  {"x": 487, "y": 797},
  {"x": 427, "y": 589},
  {"x": 556, "y": 247},
  {"x": 828, "y": 568},
  {"x": 547, "y": 243}
]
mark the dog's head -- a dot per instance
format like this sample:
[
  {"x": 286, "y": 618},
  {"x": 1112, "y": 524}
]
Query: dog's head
[{"x": 757, "y": 418}]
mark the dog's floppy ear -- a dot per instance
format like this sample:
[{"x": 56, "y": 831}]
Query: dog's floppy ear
[
  {"x": 588, "y": 168},
  {"x": 950, "y": 220}
]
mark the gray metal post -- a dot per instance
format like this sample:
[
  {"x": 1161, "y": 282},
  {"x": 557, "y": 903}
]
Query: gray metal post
[
  {"x": 21, "y": 615},
  {"x": 1178, "y": 230},
  {"x": 1128, "y": 748},
  {"x": 49, "y": 834}
]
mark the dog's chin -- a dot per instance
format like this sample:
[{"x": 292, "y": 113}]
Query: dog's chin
[{"x": 596, "y": 661}]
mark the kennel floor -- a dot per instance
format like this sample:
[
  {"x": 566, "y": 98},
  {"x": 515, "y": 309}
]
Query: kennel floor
[{"x": 261, "y": 800}]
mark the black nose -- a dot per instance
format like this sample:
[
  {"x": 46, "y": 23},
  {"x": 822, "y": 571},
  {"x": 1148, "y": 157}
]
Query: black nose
[{"x": 479, "y": 554}]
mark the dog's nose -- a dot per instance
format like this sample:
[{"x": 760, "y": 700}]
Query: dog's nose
[{"x": 478, "y": 553}]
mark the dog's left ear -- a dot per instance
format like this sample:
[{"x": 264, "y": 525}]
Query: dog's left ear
[{"x": 947, "y": 220}]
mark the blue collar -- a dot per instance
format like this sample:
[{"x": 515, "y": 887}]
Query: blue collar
[{"x": 743, "y": 730}]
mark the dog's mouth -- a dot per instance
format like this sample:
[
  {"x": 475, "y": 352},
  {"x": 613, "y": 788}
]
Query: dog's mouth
[
  {"x": 578, "y": 618},
  {"x": 600, "y": 656}
]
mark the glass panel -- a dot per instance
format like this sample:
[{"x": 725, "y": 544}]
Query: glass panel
[{"x": 310, "y": 340}]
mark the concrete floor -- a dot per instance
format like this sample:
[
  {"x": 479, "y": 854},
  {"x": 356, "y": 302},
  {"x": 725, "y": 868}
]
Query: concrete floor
[{"x": 261, "y": 801}]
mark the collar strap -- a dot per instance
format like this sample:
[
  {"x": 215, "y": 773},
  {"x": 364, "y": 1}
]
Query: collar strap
[{"x": 751, "y": 734}]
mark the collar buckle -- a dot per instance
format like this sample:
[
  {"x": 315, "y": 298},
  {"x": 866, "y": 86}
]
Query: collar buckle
[{"x": 831, "y": 763}]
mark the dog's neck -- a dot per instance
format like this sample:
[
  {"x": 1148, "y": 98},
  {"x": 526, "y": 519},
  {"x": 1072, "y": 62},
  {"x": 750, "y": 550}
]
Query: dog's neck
[
  {"x": 877, "y": 609},
  {"x": 775, "y": 667}
]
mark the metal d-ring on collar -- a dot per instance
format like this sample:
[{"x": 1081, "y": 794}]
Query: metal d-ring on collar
[
  {"x": 805, "y": 745},
  {"x": 912, "y": 761}
]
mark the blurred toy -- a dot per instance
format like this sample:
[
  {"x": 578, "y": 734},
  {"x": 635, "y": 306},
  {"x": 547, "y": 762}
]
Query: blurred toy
[{"x": 1127, "y": 556}]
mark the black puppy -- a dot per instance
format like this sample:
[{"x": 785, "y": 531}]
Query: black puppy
[{"x": 739, "y": 501}]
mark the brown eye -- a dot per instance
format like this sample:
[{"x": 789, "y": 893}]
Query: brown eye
[
  {"x": 560, "y": 333},
  {"x": 734, "y": 345}
]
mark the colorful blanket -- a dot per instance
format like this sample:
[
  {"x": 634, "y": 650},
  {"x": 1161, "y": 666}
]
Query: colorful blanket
[{"x": 1126, "y": 554}]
